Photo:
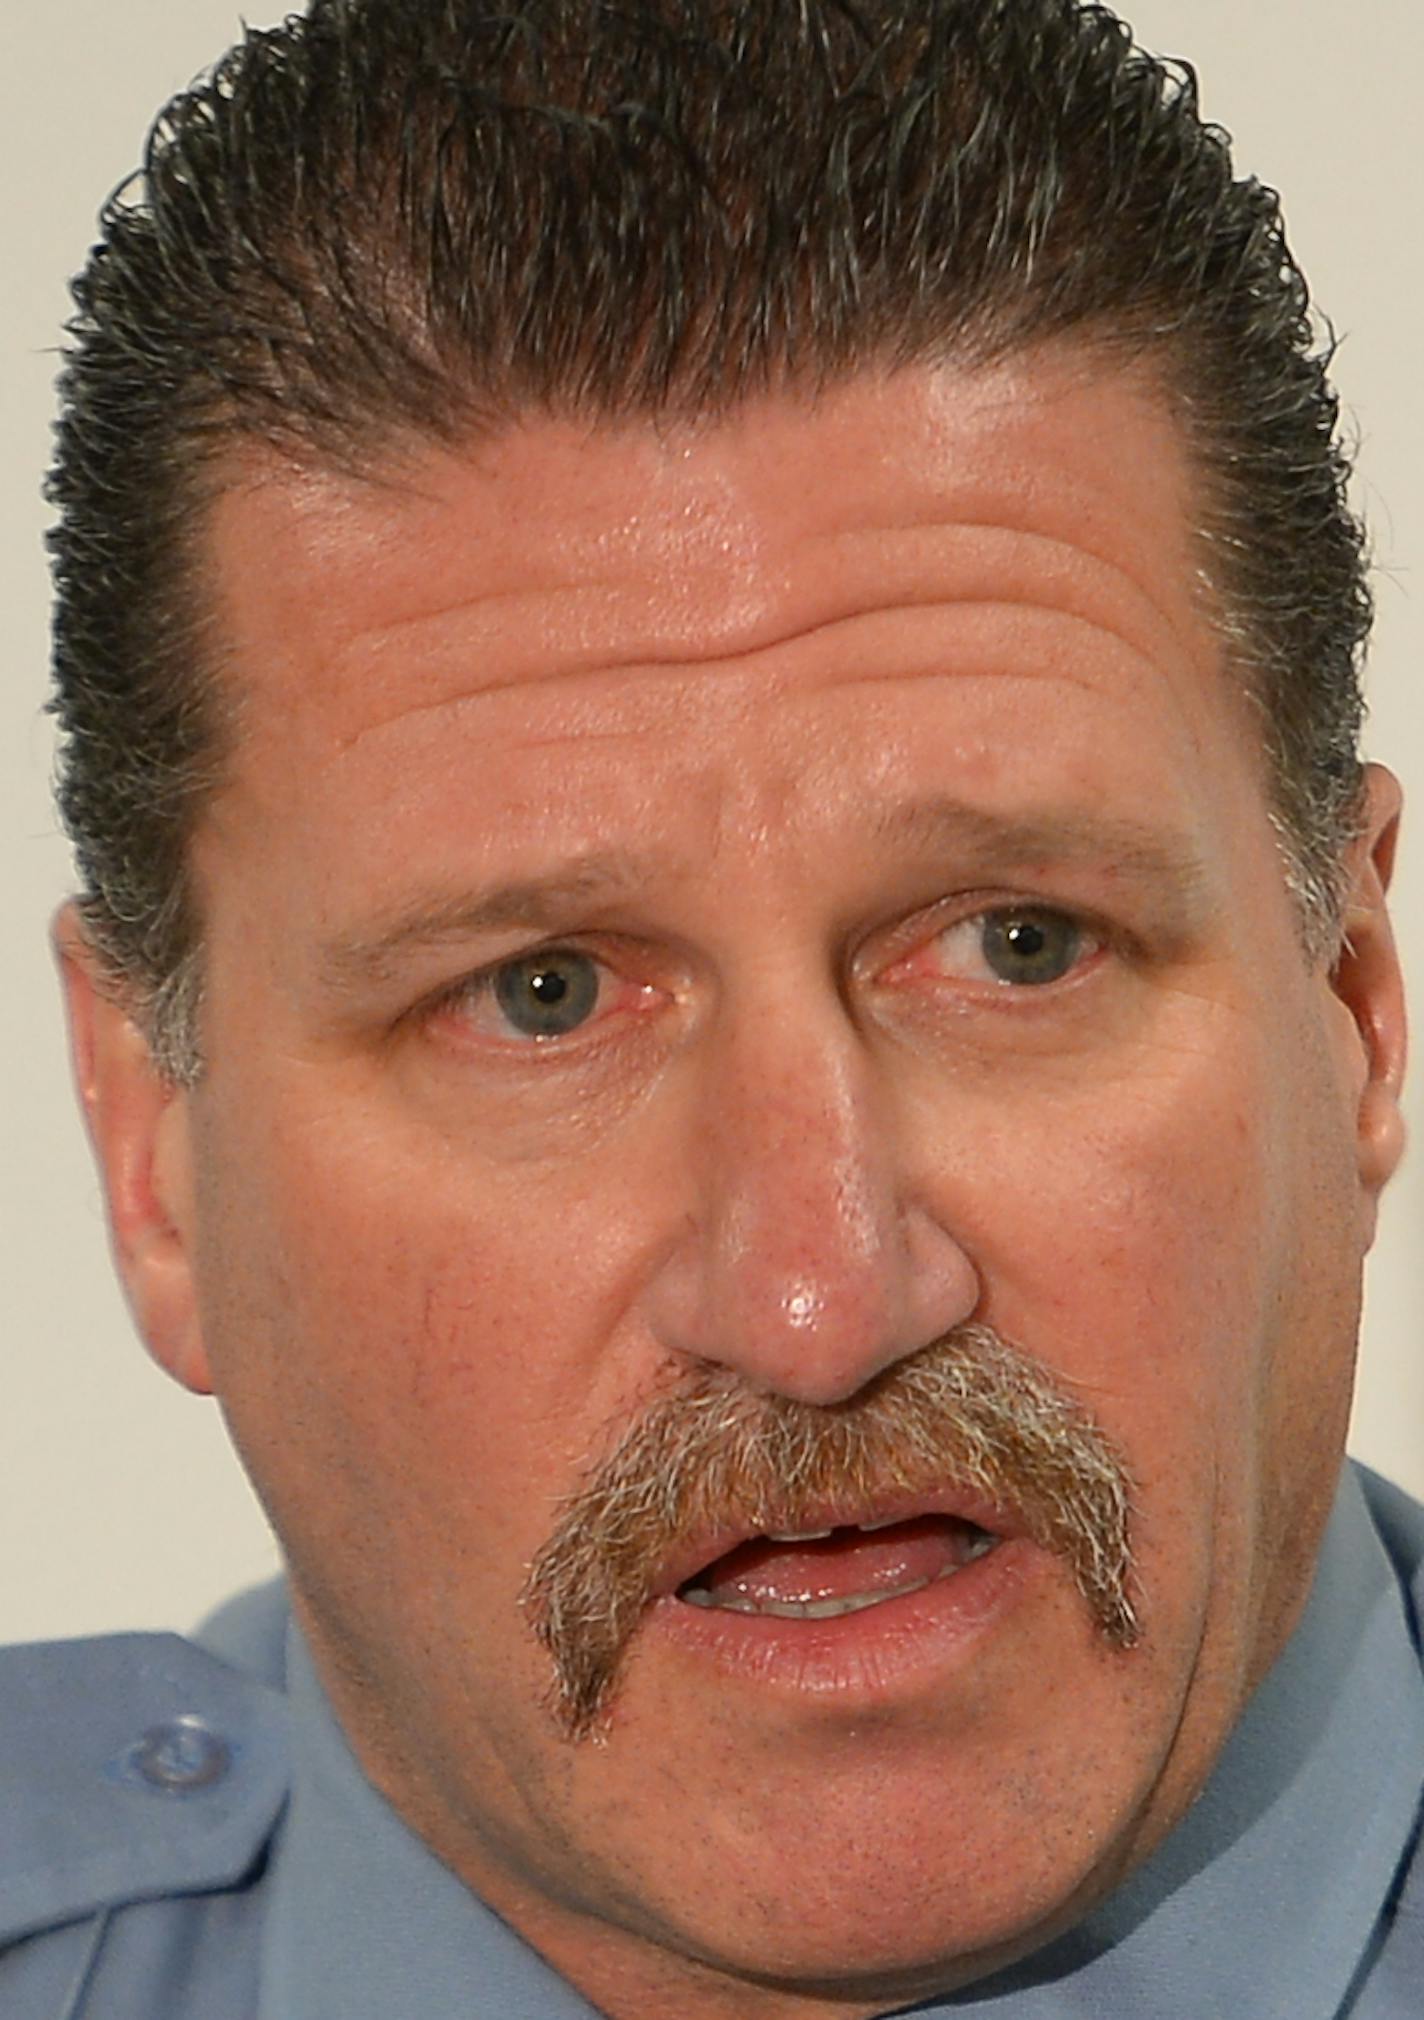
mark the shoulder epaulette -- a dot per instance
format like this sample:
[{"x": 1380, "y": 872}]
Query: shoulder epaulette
[{"x": 131, "y": 1766}]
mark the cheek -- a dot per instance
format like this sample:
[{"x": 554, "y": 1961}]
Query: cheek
[
  {"x": 1135, "y": 1239},
  {"x": 394, "y": 1325}
]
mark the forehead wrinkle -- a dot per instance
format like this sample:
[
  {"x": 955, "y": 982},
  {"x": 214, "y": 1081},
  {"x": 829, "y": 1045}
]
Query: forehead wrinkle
[
  {"x": 764, "y": 563},
  {"x": 713, "y": 660}
]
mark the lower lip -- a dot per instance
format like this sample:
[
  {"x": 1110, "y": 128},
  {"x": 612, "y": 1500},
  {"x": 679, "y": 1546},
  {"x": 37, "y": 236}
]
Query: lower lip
[{"x": 869, "y": 1652}]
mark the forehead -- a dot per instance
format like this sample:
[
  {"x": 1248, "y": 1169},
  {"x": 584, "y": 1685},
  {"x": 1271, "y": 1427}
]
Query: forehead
[
  {"x": 1009, "y": 552},
  {"x": 699, "y": 538}
]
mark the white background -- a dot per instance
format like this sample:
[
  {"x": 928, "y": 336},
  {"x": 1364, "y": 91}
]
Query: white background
[{"x": 120, "y": 1502}]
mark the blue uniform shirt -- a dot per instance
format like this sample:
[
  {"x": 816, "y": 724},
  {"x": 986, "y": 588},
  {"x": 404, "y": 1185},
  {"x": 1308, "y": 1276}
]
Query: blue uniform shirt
[{"x": 186, "y": 1836}]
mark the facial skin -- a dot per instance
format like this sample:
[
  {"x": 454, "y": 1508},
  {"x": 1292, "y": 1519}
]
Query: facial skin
[{"x": 778, "y": 709}]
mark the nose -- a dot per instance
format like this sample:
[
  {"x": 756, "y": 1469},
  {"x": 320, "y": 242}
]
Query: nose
[{"x": 808, "y": 1263}]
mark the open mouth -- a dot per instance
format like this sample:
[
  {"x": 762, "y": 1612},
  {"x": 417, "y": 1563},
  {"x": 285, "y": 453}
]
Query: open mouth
[{"x": 822, "y": 1574}]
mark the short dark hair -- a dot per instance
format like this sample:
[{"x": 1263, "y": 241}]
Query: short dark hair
[{"x": 397, "y": 217}]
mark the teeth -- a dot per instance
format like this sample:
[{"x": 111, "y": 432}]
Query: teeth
[
  {"x": 829, "y": 1609},
  {"x": 802, "y": 1609}
]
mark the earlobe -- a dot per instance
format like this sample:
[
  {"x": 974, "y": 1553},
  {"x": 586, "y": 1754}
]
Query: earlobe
[
  {"x": 1367, "y": 980},
  {"x": 139, "y": 1125}
]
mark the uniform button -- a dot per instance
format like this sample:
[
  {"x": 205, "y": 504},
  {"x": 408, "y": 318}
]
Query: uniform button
[{"x": 181, "y": 1757}]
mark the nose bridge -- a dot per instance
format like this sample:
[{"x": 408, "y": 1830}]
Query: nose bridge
[
  {"x": 800, "y": 1206},
  {"x": 807, "y": 1267}
]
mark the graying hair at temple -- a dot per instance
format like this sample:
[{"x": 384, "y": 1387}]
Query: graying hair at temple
[{"x": 397, "y": 219}]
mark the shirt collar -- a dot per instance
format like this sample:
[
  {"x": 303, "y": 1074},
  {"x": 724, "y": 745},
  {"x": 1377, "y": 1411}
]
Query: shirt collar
[
  {"x": 1277, "y": 1875},
  {"x": 1261, "y": 1884},
  {"x": 365, "y": 1921}
]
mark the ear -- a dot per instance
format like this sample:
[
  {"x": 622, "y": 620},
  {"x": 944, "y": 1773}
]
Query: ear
[
  {"x": 1367, "y": 981},
  {"x": 139, "y": 1124}
]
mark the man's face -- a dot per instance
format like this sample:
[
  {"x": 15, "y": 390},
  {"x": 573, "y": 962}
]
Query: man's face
[{"x": 720, "y": 909}]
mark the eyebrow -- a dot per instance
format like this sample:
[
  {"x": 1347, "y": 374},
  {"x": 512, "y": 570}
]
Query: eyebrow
[
  {"x": 1162, "y": 866},
  {"x": 537, "y": 904},
  {"x": 1137, "y": 849}
]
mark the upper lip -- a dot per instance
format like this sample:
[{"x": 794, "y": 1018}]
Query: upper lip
[{"x": 705, "y": 1546}]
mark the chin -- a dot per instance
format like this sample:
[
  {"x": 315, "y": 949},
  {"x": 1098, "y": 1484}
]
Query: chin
[
  {"x": 887, "y": 1937},
  {"x": 895, "y": 1880}
]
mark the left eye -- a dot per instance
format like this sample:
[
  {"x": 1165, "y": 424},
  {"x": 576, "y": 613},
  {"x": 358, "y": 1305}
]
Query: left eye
[
  {"x": 548, "y": 994},
  {"x": 1026, "y": 946}
]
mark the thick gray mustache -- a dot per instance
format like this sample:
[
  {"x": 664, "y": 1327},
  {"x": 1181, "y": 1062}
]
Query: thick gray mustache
[{"x": 969, "y": 1411}]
